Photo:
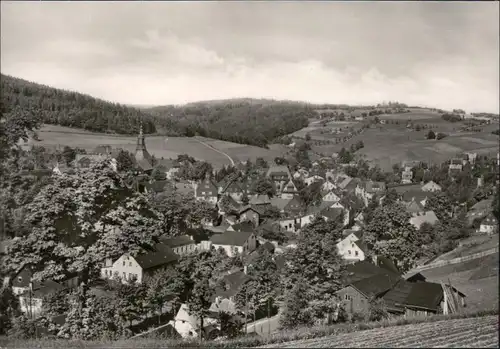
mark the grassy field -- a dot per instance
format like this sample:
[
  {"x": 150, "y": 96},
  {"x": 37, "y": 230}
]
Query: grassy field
[
  {"x": 391, "y": 332},
  {"x": 471, "y": 245},
  {"x": 462, "y": 333},
  {"x": 389, "y": 144},
  {"x": 477, "y": 279},
  {"x": 167, "y": 147}
]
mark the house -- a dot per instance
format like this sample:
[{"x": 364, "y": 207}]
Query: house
[
  {"x": 232, "y": 188},
  {"x": 21, "y": 281},
  {"x": 128, "y": 267},
  {"x": 301, "y": 174},
  {"x": 249, "y": 214},
  {"x": 181, "y": 245},
  {"x": 294, "y": 207},
  {"x": 351, "y": 247},
  {"x": 407, "y": 175},
  {"x": 289, "y": 190},
  {"x": 414, "y": 208},
  {"x": 246, "y": 226},
  {"x": 312, "y": 212},
  {"x": 291, "y": 224},
  {"x": 31, "y": 300},
  {"x": 260, "y": 200},
  {"x": 356, "y": 296},
  {"x": 455, "y": 165},
  {"x": 330, "y": 196},
  {"x": 280, "y": 203},
  {"x": 207, "y": 191},
  {"x": 328, "y": 186},
  {"x": 279, "y": 175},
  {"x": 367, "y": 190},
  {"x": 425, "y": 217},
  {"x": 489, "y": 225},
  {"x": 60, "y": 168},
  {"x": 313, "y": 179},
  {"x": 431, "y": 186},
  {"x": 331, "y": 214},
  {"x": 479, "y": 210},
  {"x": 185, "y": 187},
  {"x": 155, "y": 187},
  {"x": 188, "y": 325},
  {"x": 234, "y": 242}
]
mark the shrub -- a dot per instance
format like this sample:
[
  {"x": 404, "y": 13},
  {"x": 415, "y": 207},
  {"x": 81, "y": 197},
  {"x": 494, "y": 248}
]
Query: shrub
[
  {"x": 440, "y": 135},
  {"x": 431, "y": 135}
]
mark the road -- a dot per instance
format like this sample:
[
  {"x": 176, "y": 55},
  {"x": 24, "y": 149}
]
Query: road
[{"x": 217, "y": 150}]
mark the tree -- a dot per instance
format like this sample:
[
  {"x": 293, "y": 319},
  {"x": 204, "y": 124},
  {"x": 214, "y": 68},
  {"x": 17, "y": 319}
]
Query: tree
[
  {"x": 263, "y": 186},
  {"x": 159, "y": 174},
  {"x": 308, "y": 137},
  {"x": 495, "y": 205},
  {"x": 296, "y": 312},
  {"x": 431, "y": 135},
  {"x": 56, "y": 303},
  {"x": 9, "y": 309},
  {"x": 68, "y": 154},
  {"x": 125, "y": 161},
  {"x": 316, "y": 261},
  {"x": 261, "y": 163},
  {"x": 311, "y": 194},
  {"x": 199, "y": 300},
  {"x": 391, "y": 197},
  {"x": 390, "y": 234},
  {"x": 80, "y": 220},
  {"x": 441, "y": 205}
]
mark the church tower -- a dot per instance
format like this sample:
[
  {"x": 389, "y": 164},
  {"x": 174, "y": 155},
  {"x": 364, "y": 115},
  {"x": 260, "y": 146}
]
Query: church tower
[{"x": 142, "y": 155}]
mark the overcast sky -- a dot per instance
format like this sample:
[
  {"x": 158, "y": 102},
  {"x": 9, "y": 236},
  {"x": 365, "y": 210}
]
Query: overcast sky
[{"x": 433, "y": 54}]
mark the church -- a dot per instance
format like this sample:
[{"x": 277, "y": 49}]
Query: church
[{"x": 142, "y": 156}]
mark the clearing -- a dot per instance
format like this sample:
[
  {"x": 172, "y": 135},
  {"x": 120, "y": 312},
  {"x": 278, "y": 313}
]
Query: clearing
[
  {"x": 479, "y": 332},
  {"x": 218, "y": 153}
]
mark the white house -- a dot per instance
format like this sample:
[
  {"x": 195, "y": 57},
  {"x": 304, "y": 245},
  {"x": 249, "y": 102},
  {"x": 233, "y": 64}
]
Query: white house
[
  {"x": 129, "y": 268},
  {"x": 418, "y": 219},
  {"x": 188, "y": 325},
  {"x": 181, "y": 245},
  {"x": 234, "y": 242},
  {"x": 290, "y": 224},
  {"x": 289, "y": 190},
  {"x": 431, "y": 186},
  {"x": 367, "y": 190},
  {"x": 489, "y": 225},
  {"x": 328, "y": 186},
  {"x": 301, "y": 173},
  {"x": 330, "y": 196},
  {"x": 351, "y": 247},
  {"x": 312, "y": 179}
]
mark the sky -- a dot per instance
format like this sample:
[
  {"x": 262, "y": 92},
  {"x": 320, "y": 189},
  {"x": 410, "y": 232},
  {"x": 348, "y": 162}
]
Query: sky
[{"x": 443, "y": 55}]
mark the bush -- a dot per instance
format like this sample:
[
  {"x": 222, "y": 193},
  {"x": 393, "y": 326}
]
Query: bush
[
  {"x": 440, "y": 135},
  {"x": 431, "y": 135},
  {"x": 377, "y": 310}
]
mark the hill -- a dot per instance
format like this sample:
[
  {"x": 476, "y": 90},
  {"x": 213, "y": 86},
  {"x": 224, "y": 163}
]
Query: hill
[
  {"x": 244, "y": 120},
  {"x": 72, "y": 109}
]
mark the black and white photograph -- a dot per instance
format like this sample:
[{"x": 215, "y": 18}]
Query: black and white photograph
[{"x": 236, "y": 174}]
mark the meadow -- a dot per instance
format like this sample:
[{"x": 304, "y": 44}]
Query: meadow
[{"x": 166, "y": 147}]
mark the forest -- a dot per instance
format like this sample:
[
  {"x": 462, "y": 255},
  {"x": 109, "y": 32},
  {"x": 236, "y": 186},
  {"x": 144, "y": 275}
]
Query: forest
[{"x": 245, "y": 121}]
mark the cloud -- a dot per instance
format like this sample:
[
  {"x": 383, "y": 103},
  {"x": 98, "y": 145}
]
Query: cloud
[{"x": 443, "y": 55}]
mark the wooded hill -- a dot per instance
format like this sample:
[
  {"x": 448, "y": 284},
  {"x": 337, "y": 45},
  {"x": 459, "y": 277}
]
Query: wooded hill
[{"x": 72, "y": 109}]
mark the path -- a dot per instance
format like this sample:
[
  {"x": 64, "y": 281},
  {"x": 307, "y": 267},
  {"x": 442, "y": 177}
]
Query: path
[{"x": 217, "y": 150}]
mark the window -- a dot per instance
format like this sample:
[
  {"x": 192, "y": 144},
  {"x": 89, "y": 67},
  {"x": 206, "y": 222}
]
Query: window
[
  {"x": 19, "y": 278},
  {"x": 356, "y": 253},
  {"x": 349, "y": 251},
  {"x": 124, "y": 275},
  {"x": 130, "y": 276},
  {"x": 123, "y": 263},
  {"x": 129, "y": 264}
]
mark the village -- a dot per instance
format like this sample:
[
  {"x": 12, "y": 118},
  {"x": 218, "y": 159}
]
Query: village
[{"x": 265, "y": 214}]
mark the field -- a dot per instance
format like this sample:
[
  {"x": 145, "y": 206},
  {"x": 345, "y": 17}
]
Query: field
[
  {"x": 471, "y": 245},
  {"x": 166, "y": 147},
  {"x": 392, "y": 143},
  {"x": 463, "y": 333},
  {"x": 477, "y": 279}
]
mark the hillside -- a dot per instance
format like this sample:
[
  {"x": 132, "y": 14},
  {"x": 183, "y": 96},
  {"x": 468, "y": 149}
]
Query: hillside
[
  {"x": 248, "y": 121},
  {"x": 464, "y": 333},
  {"x": 71, "y": 109}
]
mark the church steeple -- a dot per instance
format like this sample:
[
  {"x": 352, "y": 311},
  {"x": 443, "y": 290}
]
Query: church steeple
[{"x": 142, "y": 155}]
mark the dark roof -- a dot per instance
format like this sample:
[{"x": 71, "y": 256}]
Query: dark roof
[
  {"x": 425, "y": 295},
  {"x": 144, "y": 164},
  {"x": 234, "y": 281},
  {"x": 243, "y": 226},
  {"x": 279, "y": 203},
  {"x": 363, "y": 269},
  {"x": 357, "y": 233},
  {"x": 161, "y": 255},
  {"x": 231, "y": 238},
  {"x": 414, "y": 207},
  {"x": 267, "y": 246},
  {"x": 387, "y": 264},
  {"x": 249, "y": 207},
  {"x": 376, "y": 285},
  {"x": 397, "y": 295},
  {"x": 418, "y": 195},
  {"x": 332, "y": 213},
  {"x": 260, "y": 200},
  {"x": 489, "y": 220},
  {"x": 403, "y": 188},
  {"x": 416, "y": 277},
  {"x": 362, "y": 246},
  {"x": 208, "y": 187},
  {"x": 46, "y": 288},
  {"x": 177, "y": 241},
  {"x": 156, "y": 186}
]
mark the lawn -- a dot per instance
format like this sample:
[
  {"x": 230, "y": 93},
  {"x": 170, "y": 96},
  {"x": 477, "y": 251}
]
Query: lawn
[{"x": 166, "y": 147}]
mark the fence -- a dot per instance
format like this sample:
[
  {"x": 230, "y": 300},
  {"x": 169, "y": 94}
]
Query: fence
[{"x": 456, "y": 260}]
